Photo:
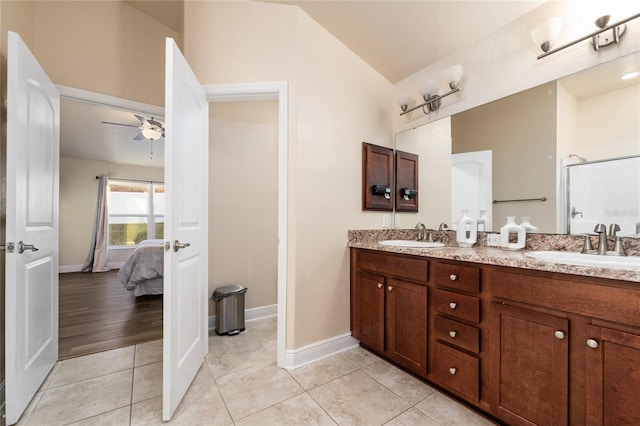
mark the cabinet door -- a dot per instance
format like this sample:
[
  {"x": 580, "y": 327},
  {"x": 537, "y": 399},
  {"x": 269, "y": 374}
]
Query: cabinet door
[
  {"x": 529, "y": 366},
  {"x": 612, "y": 377},
  {"x": 369, "y": 310},
  {"x": 406, "y": 324}
]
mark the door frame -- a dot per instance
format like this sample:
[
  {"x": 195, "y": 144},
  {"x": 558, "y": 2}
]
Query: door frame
[
  {"x": 234, "y": 92},
  {"x": 261, "y": 91}
]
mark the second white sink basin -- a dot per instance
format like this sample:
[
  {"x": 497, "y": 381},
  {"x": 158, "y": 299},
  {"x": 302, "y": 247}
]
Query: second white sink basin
[
  {"x": 410, "y": 243},
  {"x": 573, "y": 258}
]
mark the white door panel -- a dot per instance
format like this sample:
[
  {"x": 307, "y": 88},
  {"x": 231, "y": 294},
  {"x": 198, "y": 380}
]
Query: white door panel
[
  {"x": 33, "y": 147},
  {"x": 471, "y": 185},
  {"x": 186, "y": 221}
]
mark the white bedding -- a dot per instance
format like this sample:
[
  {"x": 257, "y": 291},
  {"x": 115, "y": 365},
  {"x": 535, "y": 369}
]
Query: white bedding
[{"x": 143, "y": 271}]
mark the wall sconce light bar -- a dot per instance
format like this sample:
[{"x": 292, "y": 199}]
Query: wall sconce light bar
[
  {"x": 614, "y": 27},
  {"x": 432, "y": 102}
]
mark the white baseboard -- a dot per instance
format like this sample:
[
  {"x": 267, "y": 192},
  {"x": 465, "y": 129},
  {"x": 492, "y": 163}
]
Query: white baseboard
[
  {"x": 316, "y": 351},
  {"x": 63, "y": 269},
  {"x": 251, "y": 314}
]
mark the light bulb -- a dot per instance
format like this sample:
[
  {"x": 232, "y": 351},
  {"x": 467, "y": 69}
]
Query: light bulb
[
  {"x": 452, "y": 75},
  {"x": 545, "y": 33}
]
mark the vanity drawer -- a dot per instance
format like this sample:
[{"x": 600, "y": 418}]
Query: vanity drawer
[
  {"x": 458, "y": 334},
  {"x": 457, "y": 305},
  {"x": 464, "y": 278},
  {"x": 456, "y": 370},
  {"x": 390, "y": 264}
]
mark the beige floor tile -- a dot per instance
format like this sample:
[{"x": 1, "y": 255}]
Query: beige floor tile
[
  {"x": 52, "y": 373},
  {"x": 148, "y": 353},
  {"x": 202, "y": 405},
  {"x": 232, "y": 345},
  {"x": 402, "y": 384},
  {"x": 360, "y": 357},
  {"x": 81, "y": 400},
  {"x": 323, "y": 371},
  {"x": 412, "y": 417},
  {"x": 252, "y": 390},
  {"x": 87, "y": 367},
  {"x": 448, "y": 412},
  {"x": 242, "y": 357},
  {"x": 147, "y": 382},
  {"x": 299, "y": 410},
  {"x": 357, "y": 399},
  {"x": 117, "y": 417}
]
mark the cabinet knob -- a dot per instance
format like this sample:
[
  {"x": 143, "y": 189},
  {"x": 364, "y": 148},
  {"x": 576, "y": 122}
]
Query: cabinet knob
[
  {"x": 559, "y": 334},
  {"x": 379, "y": 285},
  {"x": 453, "y": 277},
  {"x": 453, "y": 305},
  {"x": 390, "y": 288},
  {"x": 592, "y": 343},
  {"x": 453, "y": 333},
  {"x": 453, "y": 370}
]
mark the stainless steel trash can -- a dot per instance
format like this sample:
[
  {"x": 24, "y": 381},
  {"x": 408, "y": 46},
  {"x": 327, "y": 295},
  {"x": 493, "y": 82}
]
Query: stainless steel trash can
[{"x": 229, "y": 309}]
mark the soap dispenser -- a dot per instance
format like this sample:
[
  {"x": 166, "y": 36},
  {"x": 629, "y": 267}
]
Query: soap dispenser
[
  {"x": 511, "y": 227},
  {"x": 467, "y": 230}
]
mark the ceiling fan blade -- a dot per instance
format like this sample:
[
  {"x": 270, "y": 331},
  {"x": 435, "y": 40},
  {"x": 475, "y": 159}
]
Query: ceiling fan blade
[
  {"x": 139, "y": 137},
  {"x": 119, "y": 124}
]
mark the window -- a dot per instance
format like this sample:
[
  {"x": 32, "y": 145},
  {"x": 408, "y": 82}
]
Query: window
[{"x": 135, "y": 212}]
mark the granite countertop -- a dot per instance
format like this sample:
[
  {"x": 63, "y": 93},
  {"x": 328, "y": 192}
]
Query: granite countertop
[{"x": 488, "y": 256}]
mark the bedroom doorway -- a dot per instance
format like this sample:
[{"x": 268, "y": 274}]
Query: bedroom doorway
[{"x": 96, "y": 312}]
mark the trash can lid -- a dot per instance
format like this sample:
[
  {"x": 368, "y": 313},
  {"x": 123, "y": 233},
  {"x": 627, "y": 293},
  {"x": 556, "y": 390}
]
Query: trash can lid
[{"x": 229, "y": 290}]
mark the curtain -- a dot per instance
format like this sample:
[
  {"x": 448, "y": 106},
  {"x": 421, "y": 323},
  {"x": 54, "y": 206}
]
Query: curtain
[{"x": 97, "y": 257}]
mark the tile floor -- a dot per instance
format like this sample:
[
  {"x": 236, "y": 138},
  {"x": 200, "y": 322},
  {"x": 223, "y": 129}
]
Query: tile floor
[{"x": 239, "y": 384}]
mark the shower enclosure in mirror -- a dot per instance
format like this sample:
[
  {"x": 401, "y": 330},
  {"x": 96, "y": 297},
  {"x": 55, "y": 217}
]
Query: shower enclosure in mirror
[{"x": 533, "y": 136}]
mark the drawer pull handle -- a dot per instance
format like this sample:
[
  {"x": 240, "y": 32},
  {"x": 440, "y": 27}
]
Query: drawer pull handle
[
  {"x": 453, "y": 277},
  {"x": 592, "y": 343},
  {"x": 453, "y": 334},
  {"x": 453, "y": 371},
  {"x": 559, "y": 335},
  {"x": 379, "y": 285},
  {"x": 390, "y": 288},
  {"x": 453, "y": 305}
]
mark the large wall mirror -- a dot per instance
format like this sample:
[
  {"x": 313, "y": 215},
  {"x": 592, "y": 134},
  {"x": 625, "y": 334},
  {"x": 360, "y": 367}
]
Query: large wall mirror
[{"x": 587, "y": 124}]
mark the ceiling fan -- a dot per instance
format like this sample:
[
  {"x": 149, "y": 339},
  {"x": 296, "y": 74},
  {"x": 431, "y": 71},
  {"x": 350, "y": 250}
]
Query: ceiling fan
[{"x": 149, "y": 128}]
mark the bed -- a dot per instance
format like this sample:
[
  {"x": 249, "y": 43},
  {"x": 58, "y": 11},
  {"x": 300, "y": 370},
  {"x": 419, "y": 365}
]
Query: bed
[{"x": 143, "y": 271}]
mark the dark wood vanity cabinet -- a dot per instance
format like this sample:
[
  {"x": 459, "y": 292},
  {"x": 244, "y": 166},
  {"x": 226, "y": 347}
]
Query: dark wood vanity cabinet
[
  {"x": 389, "y": 307},
  {"x": 529, "y": 366},
  {"x": 612, "y": 377},
  {"x": 526, "y": 347}
]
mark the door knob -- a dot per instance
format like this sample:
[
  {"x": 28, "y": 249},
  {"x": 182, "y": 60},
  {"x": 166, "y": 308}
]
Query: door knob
[
  {"x": 379, "y": 285},
  {"x": 177, "y": 245},
  {"x": 559, "y": 335},
  {"x": 453, "y": 305},
  {"x": 22, "y": 247},
  {"x": 592, "y": 343},
  {"x": 390, "y": 288},
  {"x": 453, "y": 334},
  {"x": 453, "y": 277},
  {"x": 453, "y": 370}
]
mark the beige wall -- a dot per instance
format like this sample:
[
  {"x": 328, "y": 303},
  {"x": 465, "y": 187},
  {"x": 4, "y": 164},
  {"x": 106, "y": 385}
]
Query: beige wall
[
  {"x": 336, "y": 102},
  {"x": 243, "y": 200},
  {"x": 523, "y": 142},
  {"x": 107, "y": 47},
  {"x": 432, "y": 142},
  {"x": 608, "y": 124},
  {"x": 78, "y": 196}
]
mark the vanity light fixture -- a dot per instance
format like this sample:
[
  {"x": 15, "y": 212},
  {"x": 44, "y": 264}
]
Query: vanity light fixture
[
  {"x": 544, "y": 34},
  {"x": 432, "y": 101}
]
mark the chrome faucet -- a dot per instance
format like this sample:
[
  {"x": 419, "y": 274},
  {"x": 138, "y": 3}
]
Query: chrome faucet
[
  {"x": 443, "y": 226},
  {"x": 422, "y": 231},
  {"x": 601, "y": 230},
  {"x": 618, "y": 249}
]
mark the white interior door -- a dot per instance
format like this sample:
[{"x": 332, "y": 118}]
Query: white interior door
[
  {"x": 185, "y": 261},
  {"x": 471, "y": 185},
  {"x": 33, "y": 154}
]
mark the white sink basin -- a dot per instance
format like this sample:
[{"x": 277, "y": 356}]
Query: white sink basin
[
  {"x": 410, "y": 243},
  {"x": 572, "y": 258}
]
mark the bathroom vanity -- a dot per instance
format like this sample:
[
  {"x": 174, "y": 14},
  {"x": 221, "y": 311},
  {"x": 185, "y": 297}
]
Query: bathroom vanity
[{"x": 524, "y": 341}]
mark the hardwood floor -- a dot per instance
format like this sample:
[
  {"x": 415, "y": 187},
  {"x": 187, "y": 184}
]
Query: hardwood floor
[{"x": 97, "y": 314}]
